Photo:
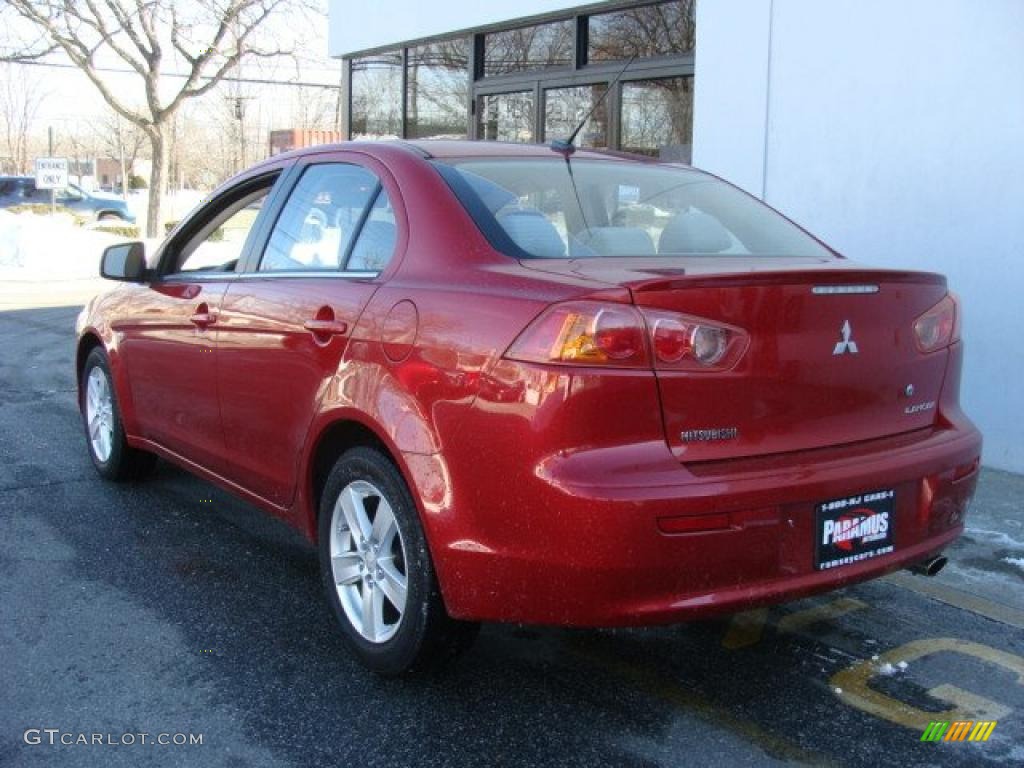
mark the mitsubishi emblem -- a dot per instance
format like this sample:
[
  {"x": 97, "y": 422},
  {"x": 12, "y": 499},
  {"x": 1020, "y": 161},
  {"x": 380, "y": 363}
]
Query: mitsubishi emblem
[{"x": 846, "y": 343}]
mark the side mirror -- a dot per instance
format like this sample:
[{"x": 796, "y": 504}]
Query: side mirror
[{"x": 124, "y": 261}]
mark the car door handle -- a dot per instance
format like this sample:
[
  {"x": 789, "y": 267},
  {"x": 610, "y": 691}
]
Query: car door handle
[
  {"x": 326, "y": 327},
  {"x": 203, "y": 319}
]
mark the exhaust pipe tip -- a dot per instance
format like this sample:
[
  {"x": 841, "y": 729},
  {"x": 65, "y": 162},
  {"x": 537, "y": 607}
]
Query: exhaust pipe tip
[{"x": 929, "y": 567}]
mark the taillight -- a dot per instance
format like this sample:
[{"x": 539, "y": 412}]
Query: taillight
[
  {"x": 620, "y": 335},
  {"x": 939, "y": 326},
  {"x": 585, "y": 333},
  {"x": 685, "y": 343}
]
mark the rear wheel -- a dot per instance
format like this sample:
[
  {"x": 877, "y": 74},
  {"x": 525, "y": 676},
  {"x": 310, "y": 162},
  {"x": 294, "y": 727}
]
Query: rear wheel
[
  {"x": 377, "y": 570},
  {"x": 108, "y": 216},
  {"x": 113, "y": 458}
]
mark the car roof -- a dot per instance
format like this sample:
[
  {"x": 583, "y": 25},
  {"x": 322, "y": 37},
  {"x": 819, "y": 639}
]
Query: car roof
[{"x": 448, "y": 149}]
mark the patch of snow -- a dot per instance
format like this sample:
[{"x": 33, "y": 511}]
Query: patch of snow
[
  {"x": 1017, "y": 561},
  {"x": 887, "y": 670},
  {"x": 43, "y": 248},
  {"x": 999, "y": 537},
  {"x": 902, "y": 665},
  {"x": 875, "y": 657},
  {"x": 839, "y": 690}
]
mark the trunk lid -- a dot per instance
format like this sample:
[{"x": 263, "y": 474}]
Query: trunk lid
[{"x": 805, "y": 381}]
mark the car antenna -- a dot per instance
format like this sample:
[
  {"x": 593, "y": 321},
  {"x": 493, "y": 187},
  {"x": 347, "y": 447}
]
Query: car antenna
[{"x": 566, "y": 146}]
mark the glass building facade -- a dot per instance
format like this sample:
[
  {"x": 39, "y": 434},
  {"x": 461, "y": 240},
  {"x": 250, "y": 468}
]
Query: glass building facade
[{"x": 534, "y": 82}]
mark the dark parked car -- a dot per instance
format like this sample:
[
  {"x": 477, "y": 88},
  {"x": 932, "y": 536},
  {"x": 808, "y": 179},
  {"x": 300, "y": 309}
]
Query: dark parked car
[
  {"x": 21, "y": 190},
  {"x": 507, "y": 383}
]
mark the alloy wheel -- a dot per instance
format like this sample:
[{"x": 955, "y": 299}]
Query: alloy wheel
[
  {"x": 368, "y": 561},
  {"x": 99, "y": 414}
]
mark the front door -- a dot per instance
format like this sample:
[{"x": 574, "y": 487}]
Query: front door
[
  {"x": 168, "y": 332},
  {"x": 286, "y": 324}
]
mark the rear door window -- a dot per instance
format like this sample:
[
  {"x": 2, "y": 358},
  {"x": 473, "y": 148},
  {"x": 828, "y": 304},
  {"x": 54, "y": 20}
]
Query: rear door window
[{"x": 317, "y": 227}]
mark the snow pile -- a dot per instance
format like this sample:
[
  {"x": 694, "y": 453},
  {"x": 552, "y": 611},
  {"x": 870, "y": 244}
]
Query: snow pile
[
  {"x": 44, "y": 248},
  {"x": 996, "y": 537},
  {"x": 888, "y": 670},
  {"x": 1017, "y": 561}
]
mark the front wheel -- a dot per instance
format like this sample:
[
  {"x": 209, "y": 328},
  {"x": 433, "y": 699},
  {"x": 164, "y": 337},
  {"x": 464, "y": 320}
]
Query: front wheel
[
  {"x": 377, "y": 570},
  {"x": 113, "y": 458}
]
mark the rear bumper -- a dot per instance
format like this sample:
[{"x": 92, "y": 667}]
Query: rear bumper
[{"x": 577, "y": 539}]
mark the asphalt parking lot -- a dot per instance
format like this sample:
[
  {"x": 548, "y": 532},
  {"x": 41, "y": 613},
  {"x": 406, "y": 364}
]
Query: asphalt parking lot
[{"x": 171, "y": 607}]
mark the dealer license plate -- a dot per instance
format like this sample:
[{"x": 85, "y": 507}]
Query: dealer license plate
[{"x": 854, "y": 529}]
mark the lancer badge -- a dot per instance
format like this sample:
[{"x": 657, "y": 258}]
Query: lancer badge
[{"x": 846, "y": 343}]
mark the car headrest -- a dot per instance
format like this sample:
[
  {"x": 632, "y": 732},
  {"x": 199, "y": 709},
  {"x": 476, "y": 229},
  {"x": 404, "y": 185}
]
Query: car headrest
[
  {"x": 492, "y": 195},
  {"x": 618, "y": 241},
  {"x": 374, "y": 247},
  {"x": 694, "y": 232},
  {"x": 533, "y": 232}
]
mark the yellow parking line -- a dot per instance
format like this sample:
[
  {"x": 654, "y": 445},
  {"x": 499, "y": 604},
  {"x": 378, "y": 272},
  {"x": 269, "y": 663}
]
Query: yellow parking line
[
  {"x": 957, "y": 598},
  {"x": 745, "y": 629},
  {"x": 800, "y": 620},
  {"x": 852, "y": 685}
]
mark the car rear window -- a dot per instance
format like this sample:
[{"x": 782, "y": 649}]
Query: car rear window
[{"x": 552, "y": 209}]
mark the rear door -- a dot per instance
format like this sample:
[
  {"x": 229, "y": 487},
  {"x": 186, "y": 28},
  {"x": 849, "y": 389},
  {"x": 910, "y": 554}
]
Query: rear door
[
  {"x": 168, "y": 327},
  {"x": 286, "y": 324}
]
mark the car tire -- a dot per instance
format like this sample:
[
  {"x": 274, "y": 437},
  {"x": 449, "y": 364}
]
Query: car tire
[
  {"x": 372, "y": 545},
  {"x": 108, "y": 216},
  {"x": 108, "y": 448}
]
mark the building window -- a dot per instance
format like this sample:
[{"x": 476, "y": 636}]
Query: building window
[
  {"x": 537, "y": 47},
  {"x": 664, "y": 29},
  {"x": 377, "y": 96},
  {"x": 437, "y": 94},
  {"x": 657, "y": 118},
  {"x": 565, "y": 107},
  {"x": 537, "y": 82},
  {"x": 505, "y": 116}
]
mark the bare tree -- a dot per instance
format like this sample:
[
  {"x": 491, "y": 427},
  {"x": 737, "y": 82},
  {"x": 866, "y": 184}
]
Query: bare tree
[
  {"x": 115, "y": 136},
  {"x": 313, "y": 108},
  {"x": 204, "y": 39},
  {"x": 20, "y": 97}
]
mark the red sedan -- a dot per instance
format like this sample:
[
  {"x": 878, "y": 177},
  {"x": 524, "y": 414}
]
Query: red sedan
[{"x": 519, "y": 383}]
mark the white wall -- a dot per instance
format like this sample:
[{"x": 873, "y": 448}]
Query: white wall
[
  {"x": 895, "y": 131},
  {"x": 731, "y": 89},
  {"x": 357, "y": 25}
]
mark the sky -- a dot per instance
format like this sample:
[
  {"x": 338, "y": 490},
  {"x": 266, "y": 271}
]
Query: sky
[{"x": 69, "y": 101}]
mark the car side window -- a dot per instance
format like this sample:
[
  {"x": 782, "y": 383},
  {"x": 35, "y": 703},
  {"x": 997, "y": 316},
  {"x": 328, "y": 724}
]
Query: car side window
[
  {"x": 317, "y": 223},
  {"x": 218, "y": 245},
  {"x": 70, "y": 195},
  {"x": 27, "y": 190},
  {"x": 376, "y": 241}
]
